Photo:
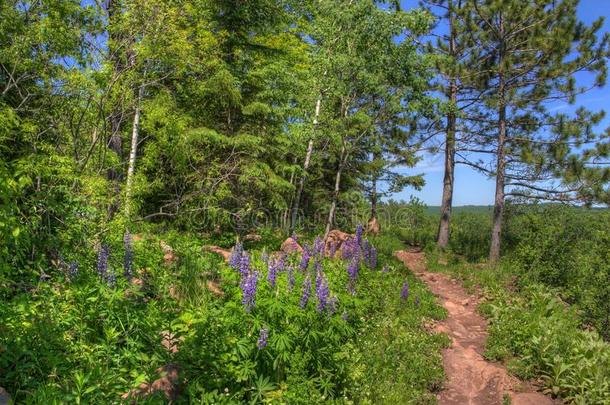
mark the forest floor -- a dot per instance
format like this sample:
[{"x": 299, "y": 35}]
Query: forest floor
[{"x": 471, "y": 379}]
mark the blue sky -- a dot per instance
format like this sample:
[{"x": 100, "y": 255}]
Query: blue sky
[{"x": 472, "y": 188}]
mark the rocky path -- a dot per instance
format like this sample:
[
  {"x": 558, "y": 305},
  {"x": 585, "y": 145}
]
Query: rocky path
[{"x": 470, "y": 378}]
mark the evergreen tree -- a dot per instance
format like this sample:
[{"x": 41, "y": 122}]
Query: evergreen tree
[{"x": 532, "y": 51}]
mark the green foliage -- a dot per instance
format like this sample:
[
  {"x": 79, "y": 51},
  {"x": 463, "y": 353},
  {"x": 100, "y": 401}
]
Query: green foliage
[
  {"x": 542, "y": 337},
  {"x": 76, "y": 338}
]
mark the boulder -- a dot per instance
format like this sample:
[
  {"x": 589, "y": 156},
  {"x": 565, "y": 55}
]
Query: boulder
[
  {"x": 291, "y": 246},
  {"x": 335, "y": 241},
  {"x": 373, "y": 227},
  {"x": 225, "y": 253}
]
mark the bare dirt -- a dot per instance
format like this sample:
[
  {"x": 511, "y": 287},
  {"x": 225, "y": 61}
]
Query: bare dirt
[{"x": 471, "y": 380}]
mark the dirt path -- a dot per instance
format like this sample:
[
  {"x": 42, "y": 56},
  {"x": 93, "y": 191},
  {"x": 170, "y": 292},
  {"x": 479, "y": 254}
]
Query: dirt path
[{"x": 470, "y": 378}]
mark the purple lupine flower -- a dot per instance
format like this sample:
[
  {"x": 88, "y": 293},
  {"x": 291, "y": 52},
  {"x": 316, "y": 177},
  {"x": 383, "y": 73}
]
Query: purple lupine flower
[
  {"x": 332, "y": 305},
  {"x": 318, "y": 247},
  {"x": 322, "y": 293},
  {"x": 373, "y": 258},
  {"x": 404, "y": 293},
  {"x": 248, "y": 287},
  {"x": 128, "y": 259},
  {"x": 333, "y": 249},
  {"x": 359, "y": 230},
  {"x": 344, "y": 316},
  {"x": 265, "y": 258},
  {"x": 294, "y": 237},
  {"x": 72, "y": 270},
  {"x": 102, "y": 261},
  {"x": 306, "y": 291},
  {"x": 111, "y": 279},
  {"x": 272, "y": 273},
  {"x": 305, "y": 258},
  {"x": 385, "y": 269},
  {"x": 235, "y": 258},
  {"x": 352, "y": 271},
  {"x": 291, "y": 279},
  {"x": 261, "y": 343},
  {"x": 244, "y": 264},
  {"x": 317, "y": 264},
  {"x": 366, "y": 251},
  {"x": 319, "y": 277},
  {"x": 350, "y": 249},
  {"x": 281, "y": 262}
]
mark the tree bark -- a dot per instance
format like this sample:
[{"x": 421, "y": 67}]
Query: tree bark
[
  {"x": 444, "y": 227},
  {"x": 297, "y": 198},
  {"x": 135, "y": 132},
  {"x": 496, "y": 232},
  {"x": 333, "y": 204}
]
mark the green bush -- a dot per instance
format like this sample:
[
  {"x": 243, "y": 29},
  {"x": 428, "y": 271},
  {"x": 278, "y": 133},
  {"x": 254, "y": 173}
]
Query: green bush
[{"x": 543, "y": 338}]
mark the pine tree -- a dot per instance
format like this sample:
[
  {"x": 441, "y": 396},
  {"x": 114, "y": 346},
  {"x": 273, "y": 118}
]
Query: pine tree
[{"x": 532, "y": 51}]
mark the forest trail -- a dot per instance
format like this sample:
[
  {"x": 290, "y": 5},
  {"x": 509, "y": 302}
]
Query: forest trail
[{"x": 471, "y": 380}]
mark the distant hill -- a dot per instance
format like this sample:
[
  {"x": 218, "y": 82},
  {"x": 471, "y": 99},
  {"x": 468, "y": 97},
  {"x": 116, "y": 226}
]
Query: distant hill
[{"x": 435, "y": 209}]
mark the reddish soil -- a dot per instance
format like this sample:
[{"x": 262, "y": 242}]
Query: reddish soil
[{"x": 470, "y": 378}]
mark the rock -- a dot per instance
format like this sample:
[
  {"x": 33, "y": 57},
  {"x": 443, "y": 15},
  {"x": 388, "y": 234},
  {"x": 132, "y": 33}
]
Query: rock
[
  {"x": 167, "y": 383},
  {"x": 373, "y": 226},
  {"x": 225, "y": 253},
  {"x": 170, "y": 341},
  {"x": 5, "y": 398},
  {"x": 336, "y": 238},
  {"x": 173, "y": 292},
  {"x": 252, "y": 237},
  {"x": 214, "y": 287},
  {"x": 465, "y": 302},
  {"x": 291, "y": 246},
  {"x": 169, "y": 257},
  {"x": 165, "y": 247}
]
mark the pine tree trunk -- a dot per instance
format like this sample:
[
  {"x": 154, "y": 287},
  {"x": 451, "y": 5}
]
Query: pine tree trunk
[
  {"x": 333, "y": 204},
  {"x": 444, "y": 227},
  {"x": 496, "y": 231},
  {"x": 297, "y": 198},
  {"x": 448, "y": 181},
  {"x": 135, "y": 132}
]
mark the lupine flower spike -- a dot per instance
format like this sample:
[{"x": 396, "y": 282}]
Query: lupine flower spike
[
  {"x": 262, "y": 339},
  {"x": 102, "y": 261},
  {"x": 404, "y": 294},
  {"x": 235, "y": 258}
]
